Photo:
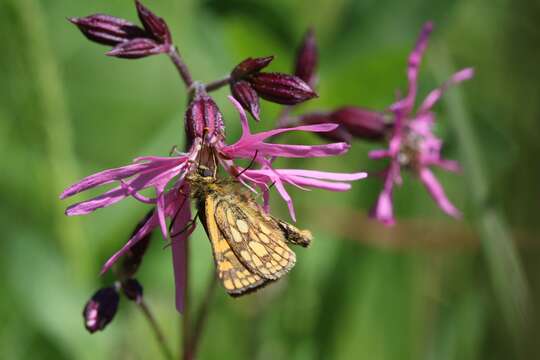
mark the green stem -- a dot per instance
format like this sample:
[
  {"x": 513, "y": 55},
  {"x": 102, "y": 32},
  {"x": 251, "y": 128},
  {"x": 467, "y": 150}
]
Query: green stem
[
  {"x": 156, "y": 329},
  {"x": 200, "y": 320}
]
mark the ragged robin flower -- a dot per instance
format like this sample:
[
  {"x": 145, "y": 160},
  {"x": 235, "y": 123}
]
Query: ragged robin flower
[
  {"x": 167, "y": 175},
  {"x": 412, "y": 144}
]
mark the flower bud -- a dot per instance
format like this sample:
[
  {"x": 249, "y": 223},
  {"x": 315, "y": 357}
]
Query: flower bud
[
  {"x": 107, "y": 30},
  {"x": 137, "y": 48},
  {"x": 100, "y": 309},
  {"x": 129, "y": 263},
  {"x": 250, "y": 66},
  {"x": 361, "y": 123},
  {"x": 154, "y": 25},
  {"x": 281, "y": 88},
  {"x": 132, "y": 289},
  {"x": 246, "y": 96},
  {"x": 339, "y": 134},
  {"x": 306, "y": 58},
  {"x": 203, "y": 118}
]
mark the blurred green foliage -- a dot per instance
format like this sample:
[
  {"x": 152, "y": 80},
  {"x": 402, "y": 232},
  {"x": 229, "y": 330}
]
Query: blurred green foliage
[{"x": 451, "y": 291}]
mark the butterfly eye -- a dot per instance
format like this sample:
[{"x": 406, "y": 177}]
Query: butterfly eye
[{"x": 205, "y": 172}]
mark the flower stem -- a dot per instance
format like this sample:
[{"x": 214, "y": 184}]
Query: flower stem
[
  {"x": 155, "y": 328},
  {"x": 200, "y": 319},
  {"x": 186, "y": 318},
  {"x": 181, "y": 66},
  {"x": 217, "y": 84}
]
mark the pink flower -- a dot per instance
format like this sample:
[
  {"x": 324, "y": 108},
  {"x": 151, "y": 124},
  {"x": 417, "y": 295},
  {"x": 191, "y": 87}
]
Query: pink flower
[
  {"x": 166, "y": 175},
  {"x": 412, "y": 144}
]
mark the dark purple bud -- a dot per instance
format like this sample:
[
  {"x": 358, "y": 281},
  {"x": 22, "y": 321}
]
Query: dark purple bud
[
  {"x": 361, "y": 123},
  {"x": 100, "y": 309},
  {"x": 250, "y": 66},
  {"x": 153, "y": 24},
  {"x": 107, "y": 30},
  {"x": 132, "y": 289},
  {"x": 338, "y": 134},
  {"x": 137, "y": 48},
  {"x": 203, "y": 118},
  {"x": 281, "y": 88},
  {"x": 246, "y": 96},
  {"x": 130, "y": 262},
  {"x": 306, "y": 58}
]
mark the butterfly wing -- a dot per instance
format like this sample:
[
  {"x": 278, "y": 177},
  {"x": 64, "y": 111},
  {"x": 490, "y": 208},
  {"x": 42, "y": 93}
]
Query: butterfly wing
[
  {"x": 256, "y": 239},
  {"x": 293, "y": 234},
  {"x": 235, "y": 277}
]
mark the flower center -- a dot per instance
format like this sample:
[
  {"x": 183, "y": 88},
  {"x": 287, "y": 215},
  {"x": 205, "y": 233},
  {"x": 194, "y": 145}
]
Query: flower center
[{"x": 408, "y": 155}]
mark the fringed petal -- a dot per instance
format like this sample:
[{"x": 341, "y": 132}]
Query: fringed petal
[{"x": 437, "y": 192}]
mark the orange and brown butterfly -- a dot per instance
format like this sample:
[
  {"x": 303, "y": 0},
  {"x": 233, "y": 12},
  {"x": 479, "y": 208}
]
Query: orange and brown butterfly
[{"x": 250, "y": 247}]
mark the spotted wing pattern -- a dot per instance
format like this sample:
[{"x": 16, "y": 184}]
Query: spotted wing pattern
[
  {"x": 257, "y": 240},
  {"x": 235, "y": 277}
]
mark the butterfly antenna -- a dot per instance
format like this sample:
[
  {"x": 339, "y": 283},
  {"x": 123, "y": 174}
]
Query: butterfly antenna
[
  {"x": 250, "y": 164},
  {"x": 215, "y": 163}
]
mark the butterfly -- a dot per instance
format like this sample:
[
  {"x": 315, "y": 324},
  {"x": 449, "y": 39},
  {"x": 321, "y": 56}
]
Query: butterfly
[{"x": 250, "y": 247}]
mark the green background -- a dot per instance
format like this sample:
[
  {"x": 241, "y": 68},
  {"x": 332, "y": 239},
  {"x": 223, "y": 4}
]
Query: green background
[{"x": 429, "y": 288}]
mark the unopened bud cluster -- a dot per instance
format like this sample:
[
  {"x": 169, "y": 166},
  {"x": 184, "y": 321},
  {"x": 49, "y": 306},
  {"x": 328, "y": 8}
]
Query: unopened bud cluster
[
  {"x": 249, "y": 83},
  {"x": 130, "y": 41}
]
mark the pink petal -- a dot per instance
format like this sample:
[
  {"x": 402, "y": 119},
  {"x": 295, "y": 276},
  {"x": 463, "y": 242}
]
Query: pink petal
[
  {"x": 285, "y": 195},
  {"x": 108, "y": 198},
  {"x": 293, "y": 151},
  {"x": 148, "y": 226},
  {"x": 178, "y": 252},
  {"x": 324, "y": 175},
  {"x": 448, "y": 165},
  {"x": 383, "y": 209},
  {"x": 319, "y": 184},
  {"x": 378, "y": 154},
  {"x": 160, "y": 209},
  {"x": 104, "y": 177},
  {"x": 405, "y": 105},
  {"x": 175, "y": 160},
  {"x": 243, "y": 116},
  {"x": 436, "y": 94},
  {"x": 437, "y": 192},
  {"x": 145, "y": 179}
]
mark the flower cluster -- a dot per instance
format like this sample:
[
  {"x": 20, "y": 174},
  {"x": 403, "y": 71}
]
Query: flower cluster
[
  {"x": 412, "y": 145},
  {"x": 205, "y": 134}
]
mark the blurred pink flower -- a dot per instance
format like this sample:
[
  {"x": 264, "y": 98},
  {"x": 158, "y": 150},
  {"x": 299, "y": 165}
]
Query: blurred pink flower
[{"x": 412, "y": 143}]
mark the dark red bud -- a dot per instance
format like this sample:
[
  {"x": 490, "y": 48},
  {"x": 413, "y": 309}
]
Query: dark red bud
[
  {"x": 153, "y": 24},
  {"x": 246, "y": 96},
  {"x": 107, "y": 30},
  {"x": 132, "y": 289},
  {"x": 338, "y": 134},
  {"x": 361, "y": 123},
  {"x": 250, "y": 66},
  {"x": 130, "y": 262},
  {"x": 137, "y": 48},
  {"x": 100, "y": 309},
  {"x": 281, "y": 88},
  {"x": 307, "y": 58},
  {"x": 203, "y": 118}
]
